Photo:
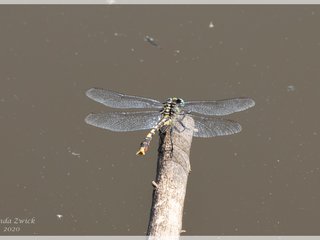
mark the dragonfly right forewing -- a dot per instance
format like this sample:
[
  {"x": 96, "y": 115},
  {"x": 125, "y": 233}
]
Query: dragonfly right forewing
[
  {"x": 219, "y": 107},
  {"x": 211, "y": 126},
  {"x": 118, "y": 100},
  {"x": 124, "y": 121}
]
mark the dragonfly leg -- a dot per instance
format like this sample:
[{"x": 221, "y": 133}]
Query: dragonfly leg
[
  {"x": 171, "y": 141},
  {"x": 184, "y": 126},
  {"x": 163, "y": 129},
  {"x": 181, "y": 123}
]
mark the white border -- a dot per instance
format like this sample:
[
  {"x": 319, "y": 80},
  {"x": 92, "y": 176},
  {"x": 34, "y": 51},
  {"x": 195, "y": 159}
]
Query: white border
[
  {"x": 159, "y": 2},
  {"x": 162, "y": 238}
]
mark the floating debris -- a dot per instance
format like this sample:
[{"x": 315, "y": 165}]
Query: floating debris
[
  {"x": 151, "y": 40},
  {"x": 291, "y": 88},
  {"x": 176, "y": 52},
  {"x": 211, "y": 25},
  {"x": 116, "y": 34},
  {"x": 72, "y": 152}
]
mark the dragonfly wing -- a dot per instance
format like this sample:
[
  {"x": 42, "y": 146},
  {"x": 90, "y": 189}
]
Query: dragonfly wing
[
  {"x": 219, "y": 107},
  {"x": 118, "y": 100},
  {"x": 124, "y": 121},
  {"x": 211, "y": 127}
]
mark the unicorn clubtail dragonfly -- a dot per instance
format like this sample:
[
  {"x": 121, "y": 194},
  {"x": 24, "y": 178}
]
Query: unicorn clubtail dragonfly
[{"x": 157, "y": 115}]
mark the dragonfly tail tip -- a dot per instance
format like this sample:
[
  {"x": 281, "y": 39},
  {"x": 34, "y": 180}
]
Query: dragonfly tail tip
[{"x": 141, "y": 152}]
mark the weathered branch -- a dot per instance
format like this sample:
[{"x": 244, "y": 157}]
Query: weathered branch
[{"x": 171, "y": 181}]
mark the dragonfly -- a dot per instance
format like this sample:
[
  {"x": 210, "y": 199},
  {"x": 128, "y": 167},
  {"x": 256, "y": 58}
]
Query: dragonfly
[{"x": 154, "y": 115}]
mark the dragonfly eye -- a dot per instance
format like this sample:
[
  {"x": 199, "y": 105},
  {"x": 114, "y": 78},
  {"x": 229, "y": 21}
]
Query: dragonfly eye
[{"x": 180, "y": 102}]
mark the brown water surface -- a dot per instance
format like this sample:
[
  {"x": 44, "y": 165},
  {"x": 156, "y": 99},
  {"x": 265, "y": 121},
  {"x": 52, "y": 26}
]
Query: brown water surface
[{"x": 75, "y": 179}]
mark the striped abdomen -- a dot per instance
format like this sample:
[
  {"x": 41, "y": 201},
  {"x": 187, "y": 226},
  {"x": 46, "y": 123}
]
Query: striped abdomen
[{"x": 166, "y": 120}]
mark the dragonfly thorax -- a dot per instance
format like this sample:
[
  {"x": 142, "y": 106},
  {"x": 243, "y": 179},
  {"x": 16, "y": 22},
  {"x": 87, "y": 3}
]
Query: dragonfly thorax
[{"x": 172, "y": 106}]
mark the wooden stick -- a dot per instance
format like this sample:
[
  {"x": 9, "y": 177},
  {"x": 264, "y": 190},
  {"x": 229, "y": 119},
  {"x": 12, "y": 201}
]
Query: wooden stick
[{"x": 171, "y": 181}]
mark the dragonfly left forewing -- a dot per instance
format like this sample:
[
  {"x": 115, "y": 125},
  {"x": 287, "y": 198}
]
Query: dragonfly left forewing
[
  {"x": 219, "y": 107},
  {"x": 124, "y": 121},
  {"x": 118, "y": 100},
  {"x": 211, "y": 127}
]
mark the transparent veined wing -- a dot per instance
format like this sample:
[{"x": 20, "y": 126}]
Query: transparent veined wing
[
  {"x": 211, "y": 127},
  {"x": 124, "y": 121},
  {"x": 118, "y": 100},
  {"x": 219, "y": 107}
]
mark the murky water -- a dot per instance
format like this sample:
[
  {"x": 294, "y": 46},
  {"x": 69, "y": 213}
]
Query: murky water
[{"x": 76, "y": 179}]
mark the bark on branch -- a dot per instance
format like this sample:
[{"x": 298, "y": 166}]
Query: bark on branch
[{"x": 171, "y": 181}]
